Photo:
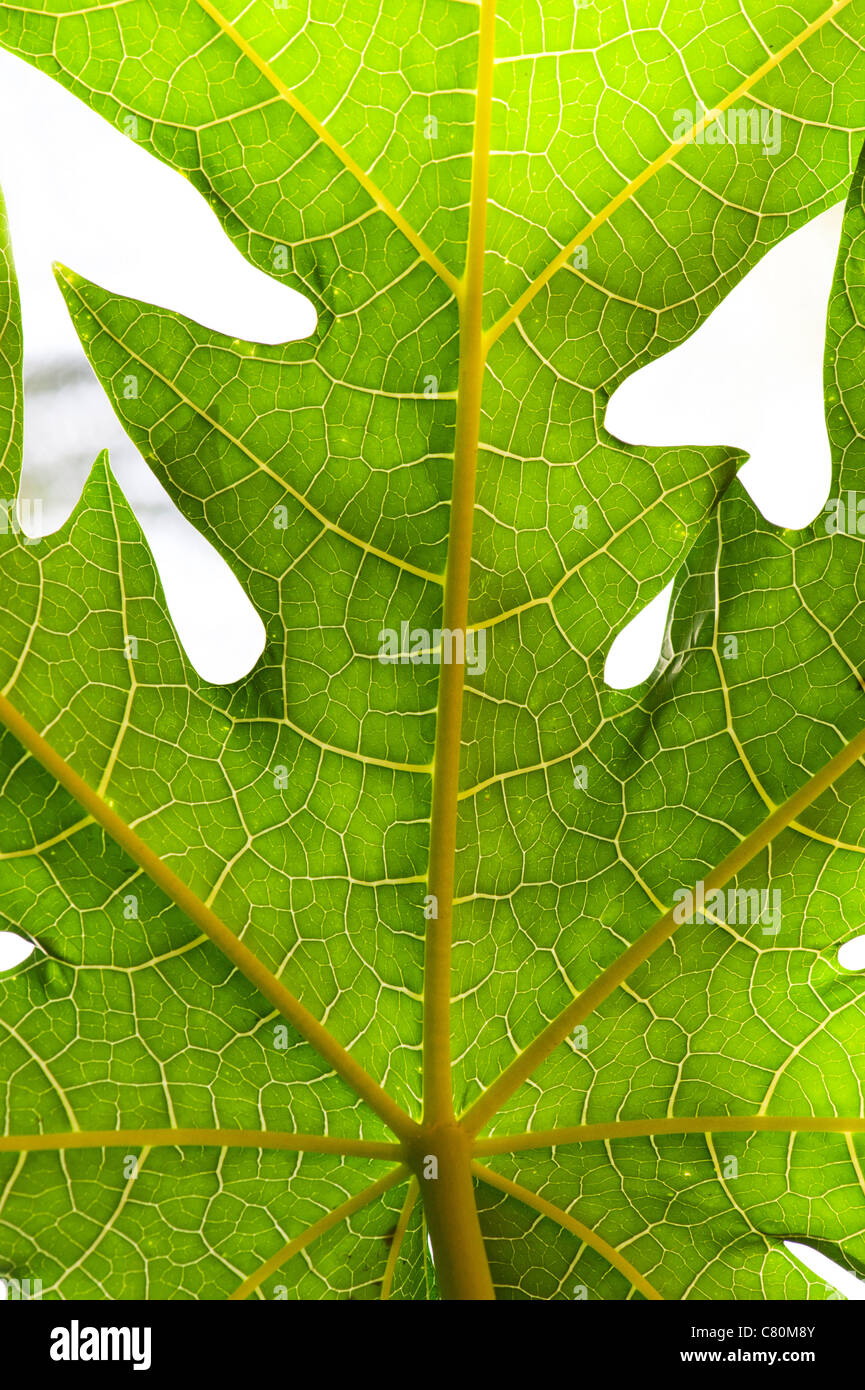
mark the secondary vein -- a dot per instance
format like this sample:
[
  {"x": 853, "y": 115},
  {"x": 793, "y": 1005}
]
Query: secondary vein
[
  {"x": 206, "y": 919},
  {"x": 324, "y": 135},
  {"x": 327, "y": 1222},
  {"x": 408, "y": 1206},
  {"x": 668, "y": 155},
  {"x": 526, "y": 1062},
  {"x": 696, "y": 1124},
  {"x": 570, "y": 1223}
]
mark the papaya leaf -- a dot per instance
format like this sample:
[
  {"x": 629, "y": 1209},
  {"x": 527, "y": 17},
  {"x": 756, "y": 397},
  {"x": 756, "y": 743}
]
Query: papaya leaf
[{"x": 420, "y": 935}]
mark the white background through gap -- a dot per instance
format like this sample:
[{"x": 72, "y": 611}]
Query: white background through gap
[{"x": 79, "y": 192}]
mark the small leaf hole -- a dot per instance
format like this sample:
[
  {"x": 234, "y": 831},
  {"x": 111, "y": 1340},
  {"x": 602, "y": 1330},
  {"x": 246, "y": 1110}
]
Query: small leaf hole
[
  {"x": 840, "y": 1281},
  {"x": 851, "y": 956},
  {"x": 634, "y": 653},
  {"x": 14, "y": 949}
]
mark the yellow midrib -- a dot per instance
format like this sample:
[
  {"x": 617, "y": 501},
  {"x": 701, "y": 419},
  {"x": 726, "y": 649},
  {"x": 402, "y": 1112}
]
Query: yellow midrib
[
  {"x": 438, "y": 1100},
  {"x": 469, "y": 294}
]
